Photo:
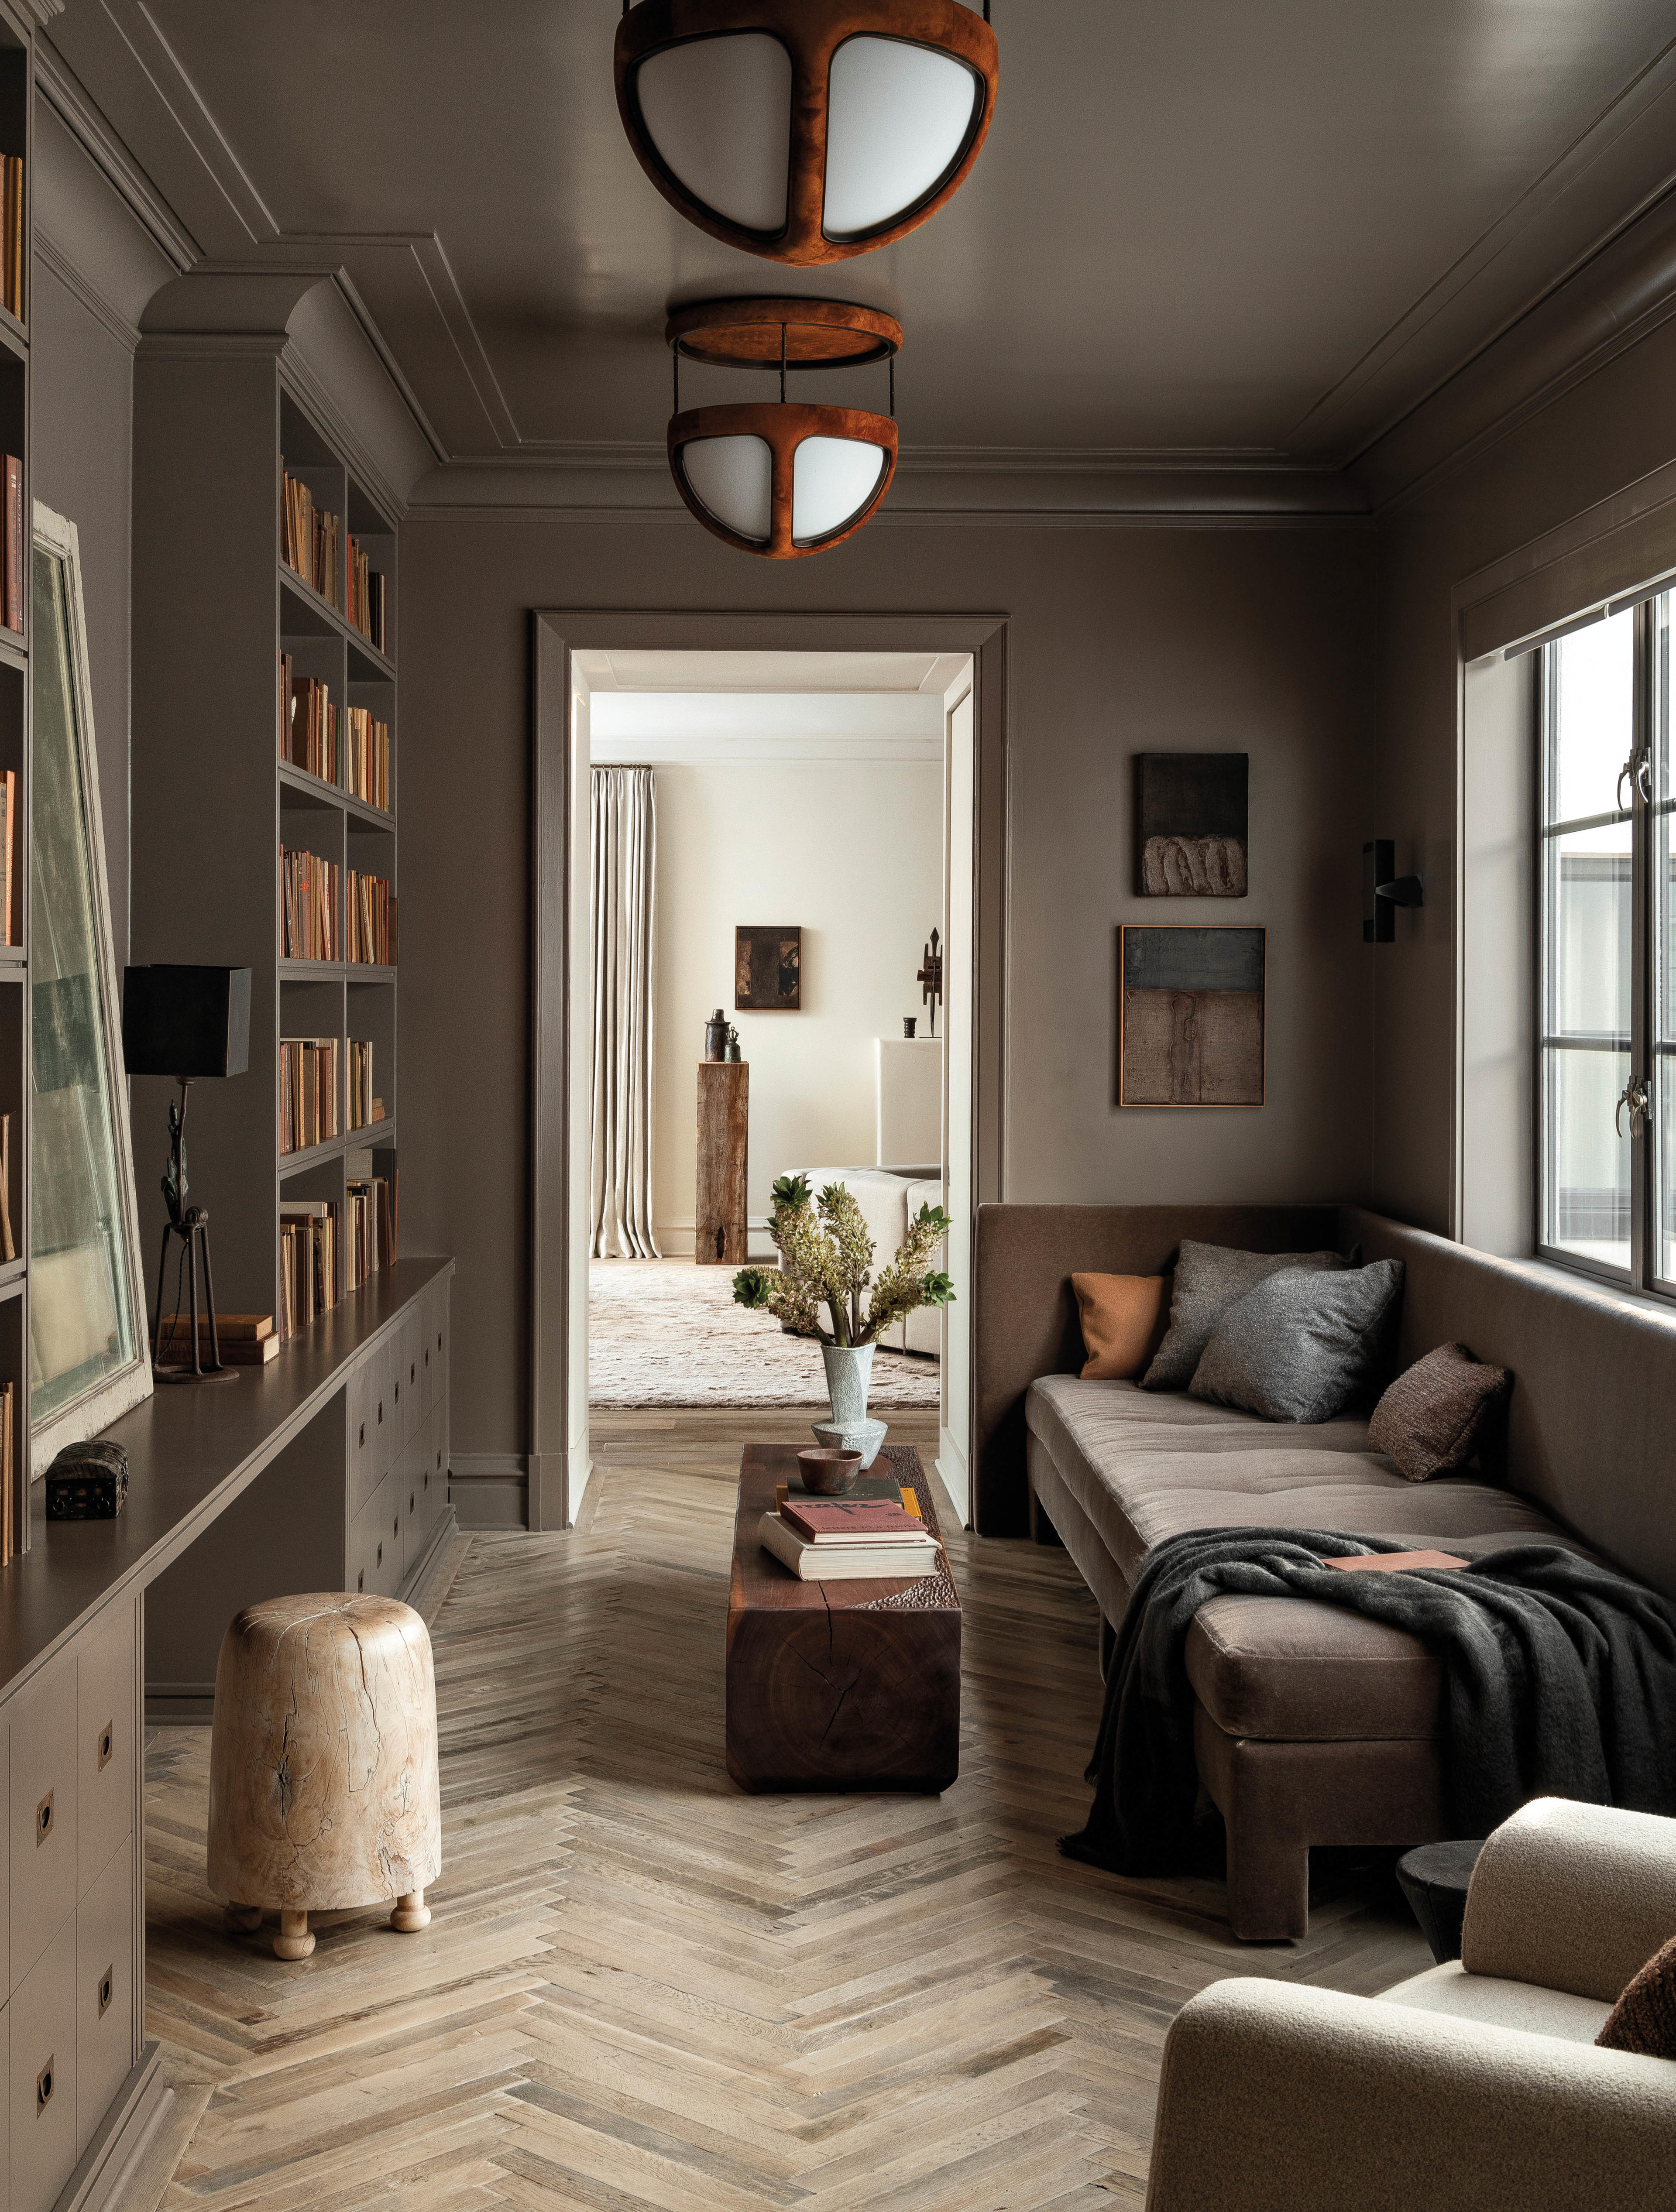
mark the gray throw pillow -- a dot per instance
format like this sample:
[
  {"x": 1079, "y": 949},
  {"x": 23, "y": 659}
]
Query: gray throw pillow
[
  {"x": 1209, "y": 1278},
  {"x": 1301, "y": 1347}
]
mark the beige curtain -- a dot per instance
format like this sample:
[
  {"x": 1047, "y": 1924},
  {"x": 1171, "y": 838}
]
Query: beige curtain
[{"x": 624, "y": 850}]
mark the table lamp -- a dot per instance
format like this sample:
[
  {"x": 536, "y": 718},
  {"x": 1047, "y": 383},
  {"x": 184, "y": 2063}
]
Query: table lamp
[{"x": 186, "y": 1022}]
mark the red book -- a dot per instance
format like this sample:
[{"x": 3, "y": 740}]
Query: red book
[
  {"x": 1386, "y": 1563},
  {"x": 851, "y": 1520}
]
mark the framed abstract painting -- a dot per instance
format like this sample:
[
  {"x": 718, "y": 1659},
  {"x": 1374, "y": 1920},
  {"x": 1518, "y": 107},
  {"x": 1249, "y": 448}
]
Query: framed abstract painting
[
  {"x": 1193, "y": 1018},
  {"x": 1190, "y": 826},
  {"x": 768, "y": 970}
]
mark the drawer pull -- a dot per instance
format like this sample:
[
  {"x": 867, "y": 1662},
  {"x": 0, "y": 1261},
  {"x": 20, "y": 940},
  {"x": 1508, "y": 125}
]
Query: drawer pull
[
  {"x": 380, "y": 1552},
  {"x": 412, "y": 1503},
  {"x": 399, "y": 1390},
  {"x": 427, "y": 1481},
  {"x": 360, "y": 1580},
  {"x": 439, "y": 1461},
  {"x": 106, "y": 1744},
  {"x": 439, "y": 1339},
  {"x": 43, "y": 1820},
  {"x": 412, "y": 1370},
  {"x": 44, "y": 2088},
  {"x": 107, "y": 1989},
  {"x": 362, "y": 1436},
  {"x": 395, "y": 1529},
  {"x": 380, "y": 1413},
  {"x": 427, "y": 1355}
]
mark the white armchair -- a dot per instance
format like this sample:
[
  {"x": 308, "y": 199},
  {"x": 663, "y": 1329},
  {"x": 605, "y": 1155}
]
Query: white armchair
[{"x": 1472, "y": 2087}]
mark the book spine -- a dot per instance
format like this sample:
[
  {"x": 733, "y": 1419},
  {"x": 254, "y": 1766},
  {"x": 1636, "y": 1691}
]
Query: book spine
[{"x": 14, "y": 551}]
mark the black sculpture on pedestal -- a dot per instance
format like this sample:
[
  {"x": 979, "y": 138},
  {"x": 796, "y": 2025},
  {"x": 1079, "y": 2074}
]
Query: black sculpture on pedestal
[{"x": 186, "y": 1022}]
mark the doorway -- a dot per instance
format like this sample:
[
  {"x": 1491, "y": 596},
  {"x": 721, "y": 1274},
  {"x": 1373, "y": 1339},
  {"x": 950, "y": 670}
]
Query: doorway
[{"x": 605, "y": 669}]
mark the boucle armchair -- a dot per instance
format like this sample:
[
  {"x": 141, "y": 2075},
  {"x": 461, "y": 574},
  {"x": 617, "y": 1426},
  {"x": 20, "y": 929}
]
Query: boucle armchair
[{"x": 1472, "y": 2087}]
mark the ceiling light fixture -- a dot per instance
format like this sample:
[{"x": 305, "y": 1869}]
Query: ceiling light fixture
[
  {"x": 805, "y": 131},
  {"x": 778, "y": 478}
]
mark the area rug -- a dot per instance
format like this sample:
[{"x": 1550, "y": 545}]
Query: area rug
[{"x": 667, "y": 1332}]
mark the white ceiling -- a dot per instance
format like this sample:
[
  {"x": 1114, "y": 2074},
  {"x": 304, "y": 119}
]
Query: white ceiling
[{"x": 666, "y": 708}]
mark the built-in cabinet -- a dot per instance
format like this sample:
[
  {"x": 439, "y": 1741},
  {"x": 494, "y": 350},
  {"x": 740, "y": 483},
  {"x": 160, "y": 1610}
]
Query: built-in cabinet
[{"x": 71, "y": 1930}]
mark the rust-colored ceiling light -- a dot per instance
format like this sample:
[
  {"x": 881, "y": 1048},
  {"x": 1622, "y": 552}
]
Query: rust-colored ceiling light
[
  {"x": 805, "y": 131},
  {"x": 777, "y": 477}
]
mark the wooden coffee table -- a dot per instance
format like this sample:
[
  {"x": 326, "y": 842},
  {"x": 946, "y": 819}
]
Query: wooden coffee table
[{"x": 838, "y": 1686}]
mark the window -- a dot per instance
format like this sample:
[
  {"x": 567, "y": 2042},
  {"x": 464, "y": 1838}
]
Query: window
[{"x": 1606, "y": 1087}]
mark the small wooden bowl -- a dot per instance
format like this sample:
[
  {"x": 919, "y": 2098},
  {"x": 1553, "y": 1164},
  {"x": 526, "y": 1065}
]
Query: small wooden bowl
[{"x": 829, "y": 1474}]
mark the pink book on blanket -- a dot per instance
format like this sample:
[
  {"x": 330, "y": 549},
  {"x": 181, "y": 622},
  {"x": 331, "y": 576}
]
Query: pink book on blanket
[{"x": 1393, "y": 1562}]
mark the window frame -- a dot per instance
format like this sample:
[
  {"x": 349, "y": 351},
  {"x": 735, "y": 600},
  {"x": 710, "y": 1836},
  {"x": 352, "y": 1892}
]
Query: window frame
[{"x": 1650, "y": 771}]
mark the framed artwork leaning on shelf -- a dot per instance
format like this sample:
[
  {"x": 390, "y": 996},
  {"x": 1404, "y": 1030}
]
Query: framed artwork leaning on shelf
[{"x": 89, "y": 1358}]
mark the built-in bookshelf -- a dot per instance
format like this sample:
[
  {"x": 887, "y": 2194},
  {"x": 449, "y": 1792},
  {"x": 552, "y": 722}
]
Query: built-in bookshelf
[
  {"x": 275, "y": 788},
  {"x": 16, "y": 544}
]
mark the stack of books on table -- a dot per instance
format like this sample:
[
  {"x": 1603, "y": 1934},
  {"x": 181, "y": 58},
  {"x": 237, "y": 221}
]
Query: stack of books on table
[
  {"x": 860, "y": 1538},
  {"x": 245, "y": 1339}
]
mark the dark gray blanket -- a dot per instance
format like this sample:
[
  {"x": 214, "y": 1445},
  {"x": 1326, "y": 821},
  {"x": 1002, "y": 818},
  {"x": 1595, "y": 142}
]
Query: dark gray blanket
[{"x": 1559, "y": 1679}]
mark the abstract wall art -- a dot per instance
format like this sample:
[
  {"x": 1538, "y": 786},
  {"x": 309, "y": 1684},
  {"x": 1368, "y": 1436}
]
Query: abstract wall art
[
  {"x": 1191, "y": 1020},
  {"x": 1190, "y": 824},
  {"x": 768, "y": 970}
]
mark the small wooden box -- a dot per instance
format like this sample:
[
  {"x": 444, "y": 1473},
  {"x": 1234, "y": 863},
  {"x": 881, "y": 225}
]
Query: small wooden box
[{"x": 88, "y": 1482}]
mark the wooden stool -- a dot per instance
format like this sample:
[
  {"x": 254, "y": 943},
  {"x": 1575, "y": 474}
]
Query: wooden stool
[{"x": 323, "y": 1791}]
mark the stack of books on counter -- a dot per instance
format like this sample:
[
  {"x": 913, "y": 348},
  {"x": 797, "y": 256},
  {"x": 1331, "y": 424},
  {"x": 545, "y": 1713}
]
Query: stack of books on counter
[
  {"x": 874, "y": 1534},
  {"x": 245, "y": 1339}
]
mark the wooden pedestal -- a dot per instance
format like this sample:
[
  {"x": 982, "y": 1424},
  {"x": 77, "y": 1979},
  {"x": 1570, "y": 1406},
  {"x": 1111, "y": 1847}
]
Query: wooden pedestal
[
  {"x": 721, "y": 1222},
  {"x": 838, "y": 1686}
]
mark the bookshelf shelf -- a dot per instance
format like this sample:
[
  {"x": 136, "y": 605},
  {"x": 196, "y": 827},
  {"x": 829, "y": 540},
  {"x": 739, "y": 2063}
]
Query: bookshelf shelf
[
  {"x": 216, "y": 438},
  {"x": 13, "y": 649},
  {"x": 13, "y": 335}
]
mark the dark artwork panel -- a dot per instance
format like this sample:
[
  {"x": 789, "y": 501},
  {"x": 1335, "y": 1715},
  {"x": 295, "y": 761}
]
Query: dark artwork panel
[
  {"x": 1193, "y": 1017},
  {"x": 1190, "y": 824},
  {"x": 768, "y": 970}
]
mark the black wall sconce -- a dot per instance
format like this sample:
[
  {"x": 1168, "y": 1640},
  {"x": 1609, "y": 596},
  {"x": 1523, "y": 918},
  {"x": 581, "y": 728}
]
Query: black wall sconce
[{"x": 1383, "y": 891}]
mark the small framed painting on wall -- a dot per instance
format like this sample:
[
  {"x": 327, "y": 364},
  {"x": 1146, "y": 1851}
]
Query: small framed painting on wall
[
  {"x": 1190, "y": 824},
  {"x": 1191, "y": 1017},
  {"x": 768, "y": 970}
]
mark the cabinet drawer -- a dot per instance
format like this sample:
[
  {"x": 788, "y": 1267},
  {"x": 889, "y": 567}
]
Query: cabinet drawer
[
  {"x": 363, "y": 1468},
  {"x": 380, "y": 1412},
  {"x": 408, "y": 1372},
  {"x": 103, "y": 1991},
  {"x": 440, "y": 1339},
  {"x": 105, "y": 1746},
  {"x": 373, "y": 1553},
  {"x": 41, "y": 2073},
  {"x": 431, "y": 1364},
  {"x": 41, "y": 1817}
]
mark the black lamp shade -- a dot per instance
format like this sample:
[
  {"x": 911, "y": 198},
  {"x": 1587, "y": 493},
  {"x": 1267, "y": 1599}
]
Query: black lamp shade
[{"x": 186, "y": 1022}]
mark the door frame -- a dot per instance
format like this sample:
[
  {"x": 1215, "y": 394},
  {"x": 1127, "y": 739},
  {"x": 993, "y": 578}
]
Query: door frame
[{"x": 557, "y": 1413}]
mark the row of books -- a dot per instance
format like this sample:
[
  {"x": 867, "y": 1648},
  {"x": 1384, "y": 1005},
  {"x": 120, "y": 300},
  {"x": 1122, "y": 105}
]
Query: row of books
[
  {"x": 243, "y": 1340},
  {"x": 366, "y": 596},
  {"x": 370, "y": 1231},
  {"x": 372, "y": 920},
  {"x": 308, "y": 723},
  {"x": 308, "y": 1092},
  {"x": 875, "y": 1534},
  {"x": 309, "y": 536},
  {"x": 12, "y": 256},
  {"x": 307, "y": 1261},
  {"x": 14, "y": 575},
  {"x": 364, "y": 1107},
  {"x": 369, "y": 758},
  {"x": 309, "y": 906},
  {"x": 8, "y": 839}
]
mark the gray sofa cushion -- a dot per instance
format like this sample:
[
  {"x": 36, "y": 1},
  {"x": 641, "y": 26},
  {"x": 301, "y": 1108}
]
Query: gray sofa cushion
[
  {"x": 1209, "y": 1278},
  {"x": 1303, "y": 1345}
]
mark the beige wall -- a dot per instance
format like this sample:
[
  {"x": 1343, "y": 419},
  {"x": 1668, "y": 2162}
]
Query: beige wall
[
  {"x": 1121, "y": 637},
  {"x": 852, "y": 851},
  {"x": 1606, "y": 432}
]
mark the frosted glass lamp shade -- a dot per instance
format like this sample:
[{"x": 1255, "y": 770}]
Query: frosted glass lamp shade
[
  {"x": 805, "y": 131},
  {"x": 733, "y": 479},
  {"x": 719, "y": 114},
  {"x": 898, "y": 117},
  {"x": 833, "y": 480}
]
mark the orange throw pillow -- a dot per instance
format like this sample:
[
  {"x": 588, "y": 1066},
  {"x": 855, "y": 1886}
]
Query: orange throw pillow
[{"x": 1123, "y": 1318}]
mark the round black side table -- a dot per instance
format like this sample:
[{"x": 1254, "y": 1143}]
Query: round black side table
[{"x": 1434, "y": 1881}]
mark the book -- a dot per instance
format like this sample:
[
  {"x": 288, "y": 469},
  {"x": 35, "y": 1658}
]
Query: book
[
  {"x": 368, "y": 1230},
  {"x": 368, "y": 758},
  {"x": 7, "y": 847},
  {"x": 363, "y": 1107},
  {"x": 175, "y": 1346},
  {"x": 12, "y": 214},
  {"x": 868, "y": 1486},
  {"x": 1387, "y": 1563},
  {"x": 307, "y": 1261},
  {"x": 310, "y": 733},
  {"x": 254, "y": 1329},
  {"x": 904, "y": 1562},
  {"x": 308, "y": 905},
  {"x": 372, "y": 920},
  {"x": 851, "y": 1520},
  {"x": 13, "y": 579},
  {"x": 8, "y": 1243},
  {"x": 308, "y": 536},
  {"x": 7, "y": 1501},
  {"x": 365, "y": 588}
]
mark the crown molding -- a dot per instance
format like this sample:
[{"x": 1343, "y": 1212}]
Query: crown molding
[
  {"x": 86, "y": 123},
  {"x": 51, "y": 256},
  {"x": 339, "y": 432}
]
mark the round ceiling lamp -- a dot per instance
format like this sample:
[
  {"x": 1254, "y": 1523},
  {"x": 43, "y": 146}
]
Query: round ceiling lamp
[
  {"x": 777, "y": 477},
  {"x": 805, "y": 131}
]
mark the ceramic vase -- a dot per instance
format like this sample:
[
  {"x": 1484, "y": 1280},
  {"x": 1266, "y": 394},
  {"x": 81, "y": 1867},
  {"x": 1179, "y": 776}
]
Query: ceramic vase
[{"x": 849, "y": 1373}]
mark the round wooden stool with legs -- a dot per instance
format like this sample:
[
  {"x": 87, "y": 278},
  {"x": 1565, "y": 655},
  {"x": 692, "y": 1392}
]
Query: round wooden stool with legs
[{"x": 323, "y": 1793}]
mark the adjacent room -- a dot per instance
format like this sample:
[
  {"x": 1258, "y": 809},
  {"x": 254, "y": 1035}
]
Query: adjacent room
[{"x": 838, "y": 1106}]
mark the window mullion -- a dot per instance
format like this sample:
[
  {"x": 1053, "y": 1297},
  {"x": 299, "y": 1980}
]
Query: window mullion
[{"x": 1644, "y": 904}]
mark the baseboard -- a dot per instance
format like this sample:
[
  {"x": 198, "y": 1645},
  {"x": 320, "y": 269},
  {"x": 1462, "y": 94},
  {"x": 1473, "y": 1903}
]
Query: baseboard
[
  {"x": 135, "y": 2113},
  {"x": 956, "y": 1475},
  {"x": 676, "y": 1240},
  {"x": 180, "y": 1704},
  {"x": 490, "y": 1489}
]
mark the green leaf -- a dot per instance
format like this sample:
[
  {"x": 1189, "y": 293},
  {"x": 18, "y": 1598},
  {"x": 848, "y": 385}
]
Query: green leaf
[
  {"x": 751, "y": 1287},
  {"x": 791, "y": 1190},
  {"x": 933, "y": 1217},
  {"x": 939, "y": 1290}
]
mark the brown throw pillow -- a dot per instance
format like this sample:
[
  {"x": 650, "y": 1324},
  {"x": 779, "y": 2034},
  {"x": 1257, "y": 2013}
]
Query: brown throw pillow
[
  {"x": 1644, "y": 2017},
  {"x": 1434, "y": 1417},
  {"x": 1123, "y": 1323}
]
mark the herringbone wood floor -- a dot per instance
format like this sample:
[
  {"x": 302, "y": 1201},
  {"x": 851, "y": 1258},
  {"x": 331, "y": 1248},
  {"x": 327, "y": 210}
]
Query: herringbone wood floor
[{"x": 643, "y": 1990}]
